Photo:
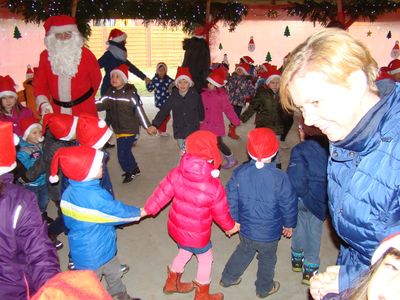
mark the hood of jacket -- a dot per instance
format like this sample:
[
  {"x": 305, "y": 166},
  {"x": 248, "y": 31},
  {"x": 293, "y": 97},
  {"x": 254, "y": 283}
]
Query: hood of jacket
[{"x": 195, "y": 168}]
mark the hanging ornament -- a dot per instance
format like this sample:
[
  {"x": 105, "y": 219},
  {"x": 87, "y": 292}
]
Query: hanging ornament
[
  {"x": 17, "y": 33},
  {"x": 395, "y": 53},
  {"x": 389, "y": 35},
  {"x": 252, "y": 46},
  {"x": 225, "y": 60},
  {"x": 369, "y": 33},
  {"x": 268, "y": 58},
  {"x": 272, "y": 13},
  {"x": 287, "y": 32},
  {"x": 220, "y": 46}
]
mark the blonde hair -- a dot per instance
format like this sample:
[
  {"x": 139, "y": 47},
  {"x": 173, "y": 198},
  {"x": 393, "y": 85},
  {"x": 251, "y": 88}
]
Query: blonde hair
[{"x": 332, "y": 52}]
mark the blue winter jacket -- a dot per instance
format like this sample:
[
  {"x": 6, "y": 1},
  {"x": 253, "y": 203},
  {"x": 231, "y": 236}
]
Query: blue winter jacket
[
  {"x": 307, "y": 173},
  {"x": 28, "y": 154},
  {"x": 90, "y": 214},
  {"x": 262, "y": 201},
  {"x": 363, "y": 186}
]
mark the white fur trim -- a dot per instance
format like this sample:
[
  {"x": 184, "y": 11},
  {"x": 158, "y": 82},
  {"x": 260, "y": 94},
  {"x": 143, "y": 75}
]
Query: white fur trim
[
  {"x": 263, "y": 160},
  {"x": 243, "y": 70},
  {"x": 54, "y": 179},
  {"x": 187, "y": 78},
  {"x": 120, "y": 73},
  {"x": 28, "y": 130},
  {"x": 16, "y": 139},
  {"x": 210, "y": 80},
  {"x": 6, "y": 169},
  {"x": 199, "y": 36},
  {"x": 63, "y": 28},
  {"x": 215, "y": 173},
  {"x": 393, "y": 242},
  {"x": 8, "y": 93},
  {"x": 268, "y": 80},
  {"x": 395, "y": 71},
  {"x": 120, "y": 38},
  {"x": 101, "y": 142},
  {"x": 95, "y": 167},
  {"x": 72, "y": 131},
  {"x": 42, "y": 102}
]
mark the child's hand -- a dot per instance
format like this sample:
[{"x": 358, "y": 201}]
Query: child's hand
[
  {"x": 287, "y": 232},
  {"x": 325, "y": 283},
  {"x": 152, "y": 130},
  {"x": 147, "y": 80},
  {"x": 235, "y": 229},
  {"x": 143, "y": 213}
]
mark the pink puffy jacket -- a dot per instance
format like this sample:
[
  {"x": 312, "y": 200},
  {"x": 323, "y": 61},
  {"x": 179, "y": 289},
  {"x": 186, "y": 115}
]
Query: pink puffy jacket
[{"x": 198, "y": 199}]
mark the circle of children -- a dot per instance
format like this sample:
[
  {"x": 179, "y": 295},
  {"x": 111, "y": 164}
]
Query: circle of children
[{"x": 59, "y": 157}]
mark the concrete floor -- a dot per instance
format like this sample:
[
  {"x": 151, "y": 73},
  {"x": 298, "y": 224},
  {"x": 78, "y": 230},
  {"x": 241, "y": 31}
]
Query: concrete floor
[{"x": 147, "y": 248}]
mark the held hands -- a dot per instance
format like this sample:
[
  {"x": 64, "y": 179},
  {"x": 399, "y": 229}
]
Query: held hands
[
  {"x": 235, "y": 229},
  {"x": 152, "y": 130},
  {"x": 287, "y": 232},
  {"x": 143, "y": 213},
  {"x": 147, "y": 80},
  {"x": 325, "y": 283}
]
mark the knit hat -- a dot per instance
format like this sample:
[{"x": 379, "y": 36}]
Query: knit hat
[
  {"x": 395, "y": 53},
  {"x": 29, "y": 72},
  {"x": 246, "y": 60},
  {"x": 203, "y": 143},
  {"x": 183, "y": 73},
  {"x": 7, "y": 86},
  {"x": 117, "y": 35},
  {"x": 394, "y": 67},
  {"x": 8, "y": 142},
  {"x": 79, "y": 163},
  {"x": 246, "y": 68},
  {"x": 217, "y": 77},
  {"x": 92, "y": 131},
  {"x": 72, "y": 285},
  {"x": 392, "y": 241},
  {"x": 59, "y": 24},
  {"x": 162, "y": 64},
  {"x": 62, "y": 126},
  {"x": 27, "y": 124},
  {"x": 122, "y": 71},
  {"x": 262, "y": 145},
  {"x": 272, "y": 72}
]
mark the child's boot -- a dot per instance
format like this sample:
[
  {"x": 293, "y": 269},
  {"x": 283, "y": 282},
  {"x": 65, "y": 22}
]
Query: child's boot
[
  {"x": 203, "y": 292},
  {"x": 230, "y": 162},
  {"x": 297, "y": 261},
  {"x": 309, "y": 270},
  {"x": 174, "y": 284},
  {"x": 232, "y": 133}
]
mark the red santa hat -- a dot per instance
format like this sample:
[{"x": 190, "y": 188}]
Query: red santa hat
[
  {"x": 218, "y": 77},
  {"x": 203, "y": 143},
  {"x": 394, "y": 67},
  {"x": 183, "y": 73},
  {"x": 27, "y": 124},
  {"x": 246, "y": 60},
  {"x": 7, "y": 87},
  {"x": 200, "y": 32},
  {"x": 92, "y": 131},
  {"x": 162, "y": 65},
  {"x": 383, "y": 74},
  {"x": 62, "y": 126},
  {"x": 117, "y": 35},
  {"x": 265, "y": 66},
  {"x": 271, "y": 73},
  {"x": 395, "y": 53},
  {"x": 8, "y": 142},
  {"x": 59, "y": 24},
  {"x": 262, "y": 145},
  {"x": 29, "y": 72},
  {"x": 246, "y": 68},
  {"x": 392, "y": 241},
  {"x": 122, "y": 70},
  {"x": 79, "y": 163}
]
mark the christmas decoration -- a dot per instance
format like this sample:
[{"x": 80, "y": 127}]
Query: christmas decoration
[
  {"x": 369, "y": 33},
  {"x": 389, "y": 35},
  {"x": 225, "y": 60},
  {"x": 287, "y": 32},
  {"x": 272, "y": 13},
  {"x": 251, "y": 46},
  {"x": 268, "y": 58},
  {"x": 17, "y": 33},
  {"x": 395, "y": 53},
  {"x": 220, "y": 46}
]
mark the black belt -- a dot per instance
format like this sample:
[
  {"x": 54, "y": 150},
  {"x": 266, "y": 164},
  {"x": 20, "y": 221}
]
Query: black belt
[{"x": 76, "y": 101}]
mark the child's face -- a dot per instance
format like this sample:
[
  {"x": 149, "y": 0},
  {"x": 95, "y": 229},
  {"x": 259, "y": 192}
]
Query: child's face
[
  {"x": 183, "y": 85},
  {"x": 385, "y": 283},
  {"x": 161, "y": 72},
  {"x": 117, "y": 81},
  {"x": 211, "y": 86},
  {"x": 274, "y": 84},
  {"x": 239, "y": 71},
  {"x": 8, "y": 103},
  {"x": 35, "y": 136}
]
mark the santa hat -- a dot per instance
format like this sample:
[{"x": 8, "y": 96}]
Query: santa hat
[
  {"x": 383, "y": 74},
  {"x": 395, "y": 53},
  {"x": 27, "y": 124},
  {"x": 92, "y": 131},
  {"x": 264, "y": 67},
  {"x": 246, "y": 68},
  {"x": 59, "y": 24},
  {"x": 7, "y": 87},
  {"x": 117, "y": 35},
  {"x": 29, "y": 72},
  {"x": 272, "y": 72},
  {"x": 79, "y": 163},
  {"x": 122, "y": 70},
  {"x": 392, "y": 241},
  {"x": 183, "y": 73},
  {"x": 247, "y": 60},
  {"x": 394, "y": 67},
  {"x": 200, "y": 32},
  {"x": 217, "y": 77},
  {"x": 62, "y": 126},
  {"x": 203, "y": 143},
  {"x": 8, "y": 142},
  {"x": 163, "y": 65},
  {"x": 262, "y": 145}
]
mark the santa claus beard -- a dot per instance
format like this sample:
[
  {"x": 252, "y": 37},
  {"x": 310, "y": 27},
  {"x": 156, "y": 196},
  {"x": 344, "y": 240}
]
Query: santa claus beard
[{"x": 64, "y": 55}]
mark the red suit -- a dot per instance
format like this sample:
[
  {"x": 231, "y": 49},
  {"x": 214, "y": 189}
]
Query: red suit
[{"x": 84, "y": 85}]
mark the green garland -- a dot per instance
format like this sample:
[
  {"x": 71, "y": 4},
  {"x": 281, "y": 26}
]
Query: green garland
[{"x": 187, "y": 14}]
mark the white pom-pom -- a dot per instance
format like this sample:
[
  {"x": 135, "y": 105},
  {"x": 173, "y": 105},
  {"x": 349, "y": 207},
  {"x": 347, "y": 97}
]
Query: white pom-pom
[
  {"x": 215, "y": 173},
  {"x": 16, "y": 139},
  {"x": 102, "y": 124},
  {"x": 41, "y": 139},
  {"x": 259, "y": 164},
  {"x": 54, "y": 179}
]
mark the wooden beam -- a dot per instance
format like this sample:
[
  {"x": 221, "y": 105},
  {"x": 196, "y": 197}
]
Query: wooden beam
[
  {"x": 74, "y": 6},
  {"x": 340, "y": 13}
]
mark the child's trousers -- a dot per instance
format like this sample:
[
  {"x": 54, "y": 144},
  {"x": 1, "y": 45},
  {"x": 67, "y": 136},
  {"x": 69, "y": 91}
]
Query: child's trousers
[
  {"x": 112, "y": 274},
  {"x": 125, "y": 156}
]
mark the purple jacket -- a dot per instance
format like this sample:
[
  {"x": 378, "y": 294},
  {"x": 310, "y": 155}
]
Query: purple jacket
[
  {"x": 216, "y": 103},
  {"x": 15, "y": 118},
  {"x": 25, "y": 249}
]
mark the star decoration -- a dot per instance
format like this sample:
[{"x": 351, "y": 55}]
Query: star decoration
[{"x": 369, "y": 33}]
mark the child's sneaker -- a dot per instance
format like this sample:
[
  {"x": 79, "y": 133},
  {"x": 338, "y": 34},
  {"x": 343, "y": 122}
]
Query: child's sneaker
[
  {"x": 130, "y": 176},
  {"x": 164, "y": 134},
  {"x": 297, "y": 261},
  {"x": 274, "y": 289},
  {"x": 309, "y": 270},
  {"x": 236, "y": 282}
]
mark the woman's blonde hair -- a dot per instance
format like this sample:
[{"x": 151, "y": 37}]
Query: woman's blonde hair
[{"x": 332, "y": 52}]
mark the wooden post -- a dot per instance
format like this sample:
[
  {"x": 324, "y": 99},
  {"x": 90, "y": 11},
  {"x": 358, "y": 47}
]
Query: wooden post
[
  {"x": 208, "y": 19},
  {"x": 340, "y": 13},
  {"x": 74, "y": 6}
]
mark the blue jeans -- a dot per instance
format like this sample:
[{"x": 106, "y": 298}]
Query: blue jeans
[
  {"x": 42, "y": 195},
  {"x": 242, "y": 257},
  {"x": 307, "y": 235},
  {"x": 125, "y": 157}
]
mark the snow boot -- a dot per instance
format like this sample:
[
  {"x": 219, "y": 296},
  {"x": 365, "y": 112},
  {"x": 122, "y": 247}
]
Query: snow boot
[
  {"x": 174, "y": 284},
  {"x": 297, "y": 261},
  {"x": 203, "y": 292},
  {"x": 232, "y": 133},
  {"x": 230, "y": 162},
  {"x": 309, "y": 270}
]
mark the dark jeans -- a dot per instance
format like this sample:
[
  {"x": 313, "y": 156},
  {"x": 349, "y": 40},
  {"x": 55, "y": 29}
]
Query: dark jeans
[
  {"x": 238, "y": 110},
  {"x": 125, "y": 157},
  {"x": 242, "y": 257},
  {"x": 223, "y": 147},
  {"x": 42, "y": 195}
]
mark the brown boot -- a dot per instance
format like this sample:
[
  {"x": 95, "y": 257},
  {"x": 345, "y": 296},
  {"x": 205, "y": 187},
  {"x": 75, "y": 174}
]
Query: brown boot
[
  {"x": 232, "y": 133},
  {"x": 174, "y": 284},
  {"x": 203, "y": 292}
]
